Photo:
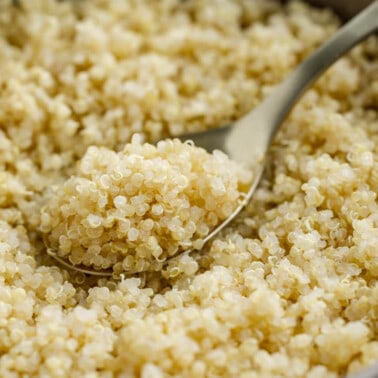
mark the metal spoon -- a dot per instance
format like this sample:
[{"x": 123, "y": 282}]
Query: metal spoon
[{"x": 249, "y": 138}]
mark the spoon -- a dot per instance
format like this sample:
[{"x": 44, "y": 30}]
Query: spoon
[{"x": 248, "y": 139}]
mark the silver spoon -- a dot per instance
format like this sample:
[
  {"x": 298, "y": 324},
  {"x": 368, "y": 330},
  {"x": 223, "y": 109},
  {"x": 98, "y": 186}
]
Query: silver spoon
[{"x": 248, "y": 139}]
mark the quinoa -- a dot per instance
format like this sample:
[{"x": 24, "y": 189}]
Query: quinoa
[
  {"x": 289, "y": 289},
  {"x": 134, "y": 209}
]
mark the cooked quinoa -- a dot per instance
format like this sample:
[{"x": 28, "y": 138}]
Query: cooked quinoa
[
  {"x": 290, "y": 289},
  {"x": 134, "y": 209}
]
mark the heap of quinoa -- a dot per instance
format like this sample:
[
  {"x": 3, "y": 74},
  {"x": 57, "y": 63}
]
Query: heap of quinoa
[
  {"x": 289, "y": 289},
  {"x": 134, "y": 209}
]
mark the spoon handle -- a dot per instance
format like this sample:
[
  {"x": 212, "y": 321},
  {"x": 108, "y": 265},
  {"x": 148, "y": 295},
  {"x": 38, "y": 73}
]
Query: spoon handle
[
  {"x": 365, "y": 23},
  {"x": 259, "y": 126}
]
